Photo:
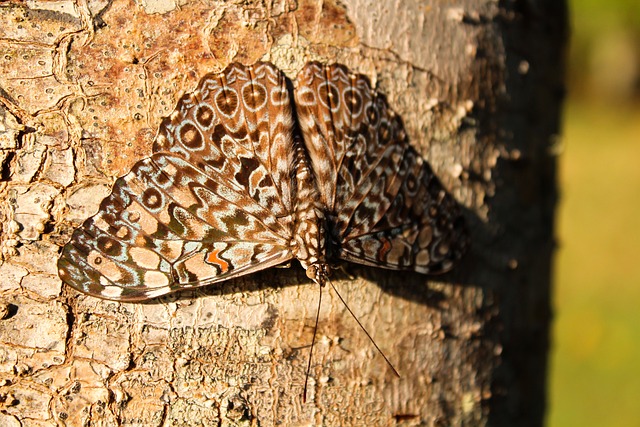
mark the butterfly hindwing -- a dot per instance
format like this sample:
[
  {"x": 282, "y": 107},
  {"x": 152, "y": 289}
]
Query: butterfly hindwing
[
  {"x": 385, "y": 206},
  {"x": 213, "y": 201}
]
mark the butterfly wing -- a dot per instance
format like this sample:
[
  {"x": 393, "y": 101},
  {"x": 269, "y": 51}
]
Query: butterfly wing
[
  {"x": 213, "y": 201},
  {"x": 386, "y": 208}
]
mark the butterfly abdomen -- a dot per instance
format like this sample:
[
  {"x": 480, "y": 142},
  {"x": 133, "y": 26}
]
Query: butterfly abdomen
[{"x": 308, "y": 242}]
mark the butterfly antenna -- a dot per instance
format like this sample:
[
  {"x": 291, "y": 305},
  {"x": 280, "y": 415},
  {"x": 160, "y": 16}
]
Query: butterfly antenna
[
  {"x": 365, "y": 331},
  {"x": 313, "y": 341}
]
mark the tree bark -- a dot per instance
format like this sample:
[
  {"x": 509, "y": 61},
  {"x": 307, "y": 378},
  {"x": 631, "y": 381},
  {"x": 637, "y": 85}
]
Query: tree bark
[{"x": 83, "y": 87}]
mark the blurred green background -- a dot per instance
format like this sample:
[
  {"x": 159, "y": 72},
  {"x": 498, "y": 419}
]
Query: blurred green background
[{"x": 595, "y": 359}]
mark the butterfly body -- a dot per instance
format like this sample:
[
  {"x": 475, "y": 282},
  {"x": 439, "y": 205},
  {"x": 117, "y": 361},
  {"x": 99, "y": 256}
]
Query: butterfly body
[
  {"x": 309, "y": 234},
  {"x": 244, "y": 176}
]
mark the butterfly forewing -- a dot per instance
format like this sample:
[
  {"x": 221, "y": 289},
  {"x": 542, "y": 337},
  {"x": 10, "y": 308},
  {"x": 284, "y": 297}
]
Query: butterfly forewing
[
  {"x": 385, "y": 206},
  {"x": 237, "y": 125},
  {"x": 214, "y": 201}
]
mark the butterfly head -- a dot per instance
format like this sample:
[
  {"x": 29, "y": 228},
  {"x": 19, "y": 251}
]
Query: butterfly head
[{"x": 318, "y": 272}]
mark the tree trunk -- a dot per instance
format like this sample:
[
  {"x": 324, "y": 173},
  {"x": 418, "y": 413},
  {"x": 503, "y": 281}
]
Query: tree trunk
[{"x": 83, "y": 87}]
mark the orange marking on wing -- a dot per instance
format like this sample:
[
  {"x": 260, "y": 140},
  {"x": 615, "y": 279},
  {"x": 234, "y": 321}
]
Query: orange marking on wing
[
  {"x": 384, "y": 250},
  {"x": 213, "y": 258}
]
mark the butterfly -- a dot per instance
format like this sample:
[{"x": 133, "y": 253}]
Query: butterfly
[{"x": 248, "y": 173}]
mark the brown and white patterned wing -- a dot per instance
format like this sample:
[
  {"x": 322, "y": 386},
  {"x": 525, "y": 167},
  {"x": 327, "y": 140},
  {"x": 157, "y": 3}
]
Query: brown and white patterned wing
[
  {"x": 385, "y": 206},
  {"x": 213, "y": 201}
]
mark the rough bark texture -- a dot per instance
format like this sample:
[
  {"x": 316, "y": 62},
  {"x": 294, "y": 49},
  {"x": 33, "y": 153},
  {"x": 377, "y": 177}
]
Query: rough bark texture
[{"x": 83, "y": 86}]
